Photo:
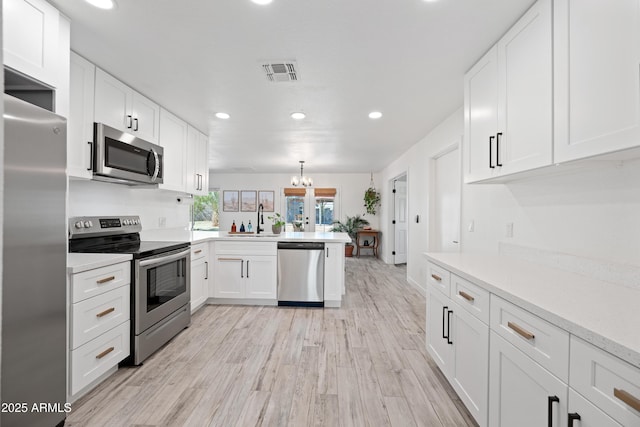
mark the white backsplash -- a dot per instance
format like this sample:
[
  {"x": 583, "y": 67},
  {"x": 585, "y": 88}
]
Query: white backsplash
[
  {"x": 156, "y": 208},
  {"x": 608, "y": 271}
]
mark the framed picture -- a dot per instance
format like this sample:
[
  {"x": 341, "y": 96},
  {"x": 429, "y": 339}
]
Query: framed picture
[
  {"x": 230, "y": 201},
  {"x": 266, "y": 198},
  {"x": 248, "y": 201}
]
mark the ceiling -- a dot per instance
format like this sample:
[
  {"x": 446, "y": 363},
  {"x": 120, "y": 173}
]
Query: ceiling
[{"x": 405, "y": 58}]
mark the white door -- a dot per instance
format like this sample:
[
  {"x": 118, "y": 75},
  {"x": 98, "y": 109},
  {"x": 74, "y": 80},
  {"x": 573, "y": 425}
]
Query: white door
[
  {"x": 400, "y": 220},
  {"x": 438, "y": 329},
  {"x": 261, "y": 276},
  {"x": 446, "y": 228}
]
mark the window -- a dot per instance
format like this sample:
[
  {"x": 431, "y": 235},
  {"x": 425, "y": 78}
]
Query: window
[
  {"x": 205, "y": 213},
  {"x": 324, "y": 213}
]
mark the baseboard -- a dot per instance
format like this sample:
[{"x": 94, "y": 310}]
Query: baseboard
[{"x": 416, "y": 285}]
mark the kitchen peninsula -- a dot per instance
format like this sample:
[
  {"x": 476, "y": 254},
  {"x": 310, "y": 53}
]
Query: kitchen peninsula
[{"x": 242, "y": 269}]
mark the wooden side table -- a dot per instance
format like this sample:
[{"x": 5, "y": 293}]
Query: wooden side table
[{"x": 373, "y": 245}]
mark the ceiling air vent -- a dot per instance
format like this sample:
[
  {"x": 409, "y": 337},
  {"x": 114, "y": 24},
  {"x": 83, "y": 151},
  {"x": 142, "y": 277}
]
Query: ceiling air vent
[{"x": 281, "y": 71}]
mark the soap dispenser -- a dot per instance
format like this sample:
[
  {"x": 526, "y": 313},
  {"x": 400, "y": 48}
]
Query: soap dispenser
[
  {"x": 242, "y": 227},
  {"x": 249, "y": 227},
  {"x": 233, "y": 226}
]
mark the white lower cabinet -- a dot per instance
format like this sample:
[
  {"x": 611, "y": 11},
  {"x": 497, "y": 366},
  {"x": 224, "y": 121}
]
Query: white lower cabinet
[
  {"x": 583, "y": 413},
  {"x": 521, "y": 392},
  {"x": 99, "y": 313},
  {"x": 245, "y": 270},
  {"x": 333, "y": 271},
  {"x": 199, "y": 275},
  {"x": 458, "y": 341}
]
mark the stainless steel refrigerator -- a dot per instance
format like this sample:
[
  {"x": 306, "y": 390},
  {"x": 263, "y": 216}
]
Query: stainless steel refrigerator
[{"x": 34, "y": 368}]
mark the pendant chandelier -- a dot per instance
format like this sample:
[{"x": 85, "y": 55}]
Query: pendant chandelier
[{"x": 301, "y": 180}]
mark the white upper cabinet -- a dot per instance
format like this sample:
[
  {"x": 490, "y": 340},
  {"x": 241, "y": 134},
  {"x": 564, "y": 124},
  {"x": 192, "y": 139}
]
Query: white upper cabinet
[
  {"x": 525, "y": 92},
  {"x": 597, "y": 84},
  {"x": 30, "y": 39},
  {"x": 197, "y": 167},
  {"x": 173, "y": 139},
  {"x": 120, "y": 107},
  {"x": 481, "y": 117},
  {"x": 509, "y": 100},
  {"x": 80, "y": 123}
]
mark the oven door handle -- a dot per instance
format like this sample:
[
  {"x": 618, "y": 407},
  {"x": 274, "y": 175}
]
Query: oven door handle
[{"x": 164, "y": 259}]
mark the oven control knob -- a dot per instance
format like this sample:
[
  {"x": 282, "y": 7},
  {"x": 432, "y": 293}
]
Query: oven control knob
[
  {"x": 136, "y": 222},
  {"x": 90, "y": 224},
  {"x": 87, "y": 224},
  {"x": 127, "y": 222},
  {"x": 79, "y": 224}
]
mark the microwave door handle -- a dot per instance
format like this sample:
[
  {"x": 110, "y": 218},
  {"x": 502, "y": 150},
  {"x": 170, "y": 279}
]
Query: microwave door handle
[
  {"x": 156, "y": 169},
  {"x": 164, "y": 259}
]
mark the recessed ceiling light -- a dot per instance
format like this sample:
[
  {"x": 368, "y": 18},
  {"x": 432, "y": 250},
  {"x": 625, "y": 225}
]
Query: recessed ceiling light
[
  {"x": 223, "y": 116},
  {"x": 298, "y": 116},
  {"x": 375, "y": 115},
  {"x": 262, "y": 2},
  {"x": 102, "y": 4}
]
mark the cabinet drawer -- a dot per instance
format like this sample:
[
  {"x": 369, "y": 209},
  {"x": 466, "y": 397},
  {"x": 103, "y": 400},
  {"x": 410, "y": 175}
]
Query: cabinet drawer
[
  {"x": 608, "y": 382},
  {"x": 199, "y": 251},
  {"x": 543, "y": 342},
  {"x": 95, "y": 316},
  {"x": 439, "y": 278},
  {"x": 590, "y": 415},
  {"x": 96, "y": 357},
  {"x": 100, "y": 280},
  {"x": 471, "y": 297},
  {"x": 246, "y": 248}
]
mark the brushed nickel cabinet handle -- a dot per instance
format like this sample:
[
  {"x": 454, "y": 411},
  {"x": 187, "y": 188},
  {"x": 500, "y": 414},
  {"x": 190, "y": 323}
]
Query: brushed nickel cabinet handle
[
  {"x": 627, "y": 398},
  {"x": 230, "y": 259},
  {"x": 466, "y": 296},
  {"x": 198, "y": 251},
  {"x": 436, "y": 277},
  {"x": 107, "y": 311},
  {"x": 104, "y": 353},
  {"x": 522, "y": 332},
  {"x": 105, "y": 280}
]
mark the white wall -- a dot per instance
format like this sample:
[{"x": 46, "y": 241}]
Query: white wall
[
  {"x": 417, "y": 164},
  {"x": 591, "y": 212},
  {"x": 350, "y": 193},
  {"x": 102, "y": 198}
]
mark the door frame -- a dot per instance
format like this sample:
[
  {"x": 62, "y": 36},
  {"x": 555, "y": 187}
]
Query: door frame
[
  {"x": 391, "y": 238},
  {"x": 455, "y": 145}
]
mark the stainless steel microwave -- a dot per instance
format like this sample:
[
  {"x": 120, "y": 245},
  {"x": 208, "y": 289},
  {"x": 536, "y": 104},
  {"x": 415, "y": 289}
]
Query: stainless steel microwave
[{"x": 123, "y": 158}]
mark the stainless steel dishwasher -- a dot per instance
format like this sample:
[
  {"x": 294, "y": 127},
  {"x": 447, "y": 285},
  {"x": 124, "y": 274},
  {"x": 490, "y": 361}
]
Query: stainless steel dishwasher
[{"x": 301, "y": 274}]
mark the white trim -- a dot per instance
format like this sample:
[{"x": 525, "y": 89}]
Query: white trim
[{"x": 416, "y": 285}]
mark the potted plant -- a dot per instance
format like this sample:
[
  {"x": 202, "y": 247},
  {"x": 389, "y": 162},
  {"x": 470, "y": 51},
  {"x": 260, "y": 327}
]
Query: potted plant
[
  {"x": 371, "y": 200},
  {"x": 351, "y": 226},
  {"x": 278, "y": 223}
]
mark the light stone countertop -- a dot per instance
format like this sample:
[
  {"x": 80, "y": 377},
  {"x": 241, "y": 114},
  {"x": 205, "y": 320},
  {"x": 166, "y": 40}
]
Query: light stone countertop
[
  {"x": 604, "y": 314},
  {"x": 203, "y": 236},
  {"x": 79, "y": 262}
]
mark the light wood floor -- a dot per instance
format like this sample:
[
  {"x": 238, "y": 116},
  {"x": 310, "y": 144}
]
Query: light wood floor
[{"x": 362, "y": 364}]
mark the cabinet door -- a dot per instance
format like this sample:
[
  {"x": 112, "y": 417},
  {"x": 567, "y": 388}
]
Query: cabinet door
[
  {"x": 590, "y": 415},
  {"x": 470, "y": 366},
  {"x": 202, "y": 163},
  {"x": 520, "y": 390},
  {"x": 146, "y": 118},
  {"x": 113, "y": 100},
  {"x": 437, "y": 329},
  {"x": 199, "y": 283},
  {"x": 80, "y": 124},
  {"x": 30, "y": 38},
  {"x": 525, "y": 92},
  {"x": 597, "y": 84},
  {"x": 173, "y": 138},
  {"x": 261, "y": 277},
  {"x": 481, "y": 118},
  {"x": 191, "y": 174},
  {"x": 229, "y": 280},
  {"x": 333, "y": 271}
]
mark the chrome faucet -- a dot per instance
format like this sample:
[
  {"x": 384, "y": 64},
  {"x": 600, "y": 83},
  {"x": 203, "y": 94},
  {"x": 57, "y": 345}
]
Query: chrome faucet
[{"x": 260, "y": 218}]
